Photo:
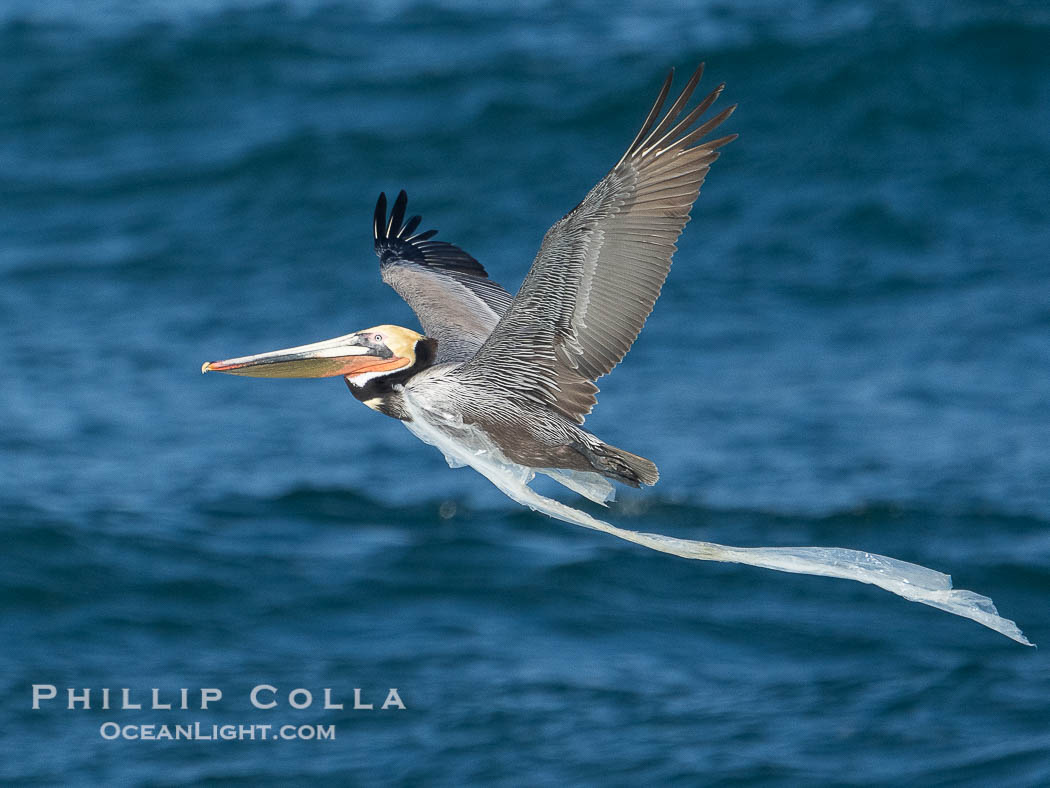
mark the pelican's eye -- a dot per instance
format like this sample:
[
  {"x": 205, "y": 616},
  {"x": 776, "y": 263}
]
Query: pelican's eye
[{"x": 378, "y": 337}]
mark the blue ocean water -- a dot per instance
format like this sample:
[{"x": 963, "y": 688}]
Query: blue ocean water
[{"x": 852, "y": 350}]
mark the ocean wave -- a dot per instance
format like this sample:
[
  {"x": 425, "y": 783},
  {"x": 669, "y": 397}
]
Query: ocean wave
[
  {"x": 644, "y": 23},
  {"x": 287, "y": 99},
  {"x": 345, "y": 504}
]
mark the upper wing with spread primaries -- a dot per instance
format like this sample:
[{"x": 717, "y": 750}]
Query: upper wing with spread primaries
[
  {"x": 601, "y": 267},
  {"x": 450, "y": 292}
]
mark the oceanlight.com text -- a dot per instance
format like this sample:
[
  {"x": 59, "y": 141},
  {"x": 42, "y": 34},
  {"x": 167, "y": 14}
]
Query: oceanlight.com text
[{"x": 196, "y": 731}]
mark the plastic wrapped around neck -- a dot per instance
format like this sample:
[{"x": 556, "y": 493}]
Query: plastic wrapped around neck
[{"x": 465, "y": 445}]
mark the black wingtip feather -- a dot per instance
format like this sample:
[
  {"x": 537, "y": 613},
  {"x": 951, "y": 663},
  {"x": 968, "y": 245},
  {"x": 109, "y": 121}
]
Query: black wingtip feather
[
  {"x": 397, "y": 215},
  {"x": 395, "y": 243},
  {"x": 408, "y": 229}
]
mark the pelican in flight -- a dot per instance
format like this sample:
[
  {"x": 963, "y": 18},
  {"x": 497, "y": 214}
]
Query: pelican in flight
[
  {"x": 503, "y": 383},
  {"x": 521, "y": 369}
]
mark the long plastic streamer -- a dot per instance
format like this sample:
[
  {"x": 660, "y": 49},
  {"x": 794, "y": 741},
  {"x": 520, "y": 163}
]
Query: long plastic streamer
[{"x": 464, "y": 445}]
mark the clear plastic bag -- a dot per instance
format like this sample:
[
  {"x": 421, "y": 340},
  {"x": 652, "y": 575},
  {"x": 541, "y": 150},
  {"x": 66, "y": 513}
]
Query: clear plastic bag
[{"x": 463, "y": 445}]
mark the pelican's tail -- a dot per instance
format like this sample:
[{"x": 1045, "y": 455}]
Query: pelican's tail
[{"x": 622, "y": 465}]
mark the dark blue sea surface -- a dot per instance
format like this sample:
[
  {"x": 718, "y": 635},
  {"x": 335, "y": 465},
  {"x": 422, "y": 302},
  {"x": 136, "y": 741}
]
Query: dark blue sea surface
[{"x": 852, "y": 349}]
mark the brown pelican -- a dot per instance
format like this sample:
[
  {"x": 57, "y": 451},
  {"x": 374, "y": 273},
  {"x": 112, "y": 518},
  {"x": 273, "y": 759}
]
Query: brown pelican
[
  {"x": 522, "y": 369},
  {"x": 502, "y": 383}
]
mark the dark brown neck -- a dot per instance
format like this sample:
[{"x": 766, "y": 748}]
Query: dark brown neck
[{"x": 379, "y": 393}]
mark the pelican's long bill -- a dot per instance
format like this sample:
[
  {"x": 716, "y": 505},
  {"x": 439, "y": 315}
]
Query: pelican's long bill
[{"x": 345, "y": 355}]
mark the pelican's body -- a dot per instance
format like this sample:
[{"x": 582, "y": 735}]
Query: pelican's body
[
  {"x": 526, "y": 433},
  {"x": 520, "y": 371}
]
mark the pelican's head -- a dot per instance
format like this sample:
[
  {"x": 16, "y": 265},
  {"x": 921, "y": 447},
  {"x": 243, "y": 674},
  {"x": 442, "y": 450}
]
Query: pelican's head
[{"x": 359, "y": 357}]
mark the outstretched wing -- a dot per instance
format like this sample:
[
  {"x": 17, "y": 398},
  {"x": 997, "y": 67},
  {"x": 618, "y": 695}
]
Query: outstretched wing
[
  {"x": 456, "y": 302},
  {"x": 600, "y": 268}
]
